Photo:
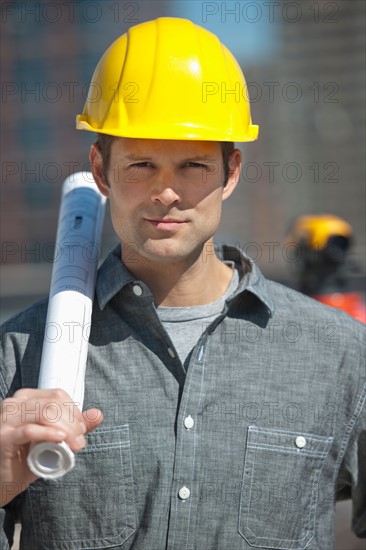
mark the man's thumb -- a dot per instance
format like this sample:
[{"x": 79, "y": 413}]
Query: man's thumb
[{"x": 92, "y": 418}]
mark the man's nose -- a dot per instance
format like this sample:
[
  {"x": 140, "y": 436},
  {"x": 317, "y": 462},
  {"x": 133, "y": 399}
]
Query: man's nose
[{"x": 166, "y": 189}]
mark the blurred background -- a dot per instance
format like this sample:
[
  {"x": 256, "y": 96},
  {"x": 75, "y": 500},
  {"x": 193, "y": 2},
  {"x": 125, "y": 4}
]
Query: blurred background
[
  {"x": 305, "y": 68},
  {"x": 304, "y": 63}
]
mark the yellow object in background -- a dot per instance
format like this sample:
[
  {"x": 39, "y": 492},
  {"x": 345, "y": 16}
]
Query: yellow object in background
[{"x": 316, "y": 230}]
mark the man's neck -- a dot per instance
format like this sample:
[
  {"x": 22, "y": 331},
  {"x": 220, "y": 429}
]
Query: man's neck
[{"x": 191, "y": 282}]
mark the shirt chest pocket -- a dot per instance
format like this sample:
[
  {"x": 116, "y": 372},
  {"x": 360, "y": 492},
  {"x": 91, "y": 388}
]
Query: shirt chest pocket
[
  {"x": 92, "y": 506},
  {"x": 280, "y": 487}
]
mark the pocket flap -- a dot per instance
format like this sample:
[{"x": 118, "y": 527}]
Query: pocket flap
[{"x": 288, "y": 442}]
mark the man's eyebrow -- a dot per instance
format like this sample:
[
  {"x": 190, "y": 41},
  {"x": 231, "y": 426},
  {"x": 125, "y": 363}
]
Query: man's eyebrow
[
  {"x": 201, "y": 157},
  {"x": 137, "y": 157},
  {"x": 183, "y": 159}
]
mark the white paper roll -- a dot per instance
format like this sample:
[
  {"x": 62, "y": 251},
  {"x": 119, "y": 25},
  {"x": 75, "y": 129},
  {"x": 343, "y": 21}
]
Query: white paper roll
[
  {"x": 50, "y": 460},
  {"x": 65, "y": 345}
]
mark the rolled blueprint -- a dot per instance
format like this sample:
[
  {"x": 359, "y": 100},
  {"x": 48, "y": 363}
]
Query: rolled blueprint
[{"x": 65, "y": 345}]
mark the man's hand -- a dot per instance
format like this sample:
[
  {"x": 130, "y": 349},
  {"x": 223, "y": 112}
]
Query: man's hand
[{"x": 31, "y": 416}]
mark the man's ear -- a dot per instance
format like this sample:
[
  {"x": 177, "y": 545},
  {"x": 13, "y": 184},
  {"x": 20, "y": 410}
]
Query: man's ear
[
  {"x": 96, "y": 163},
  {"x": 234, "y": 173}
]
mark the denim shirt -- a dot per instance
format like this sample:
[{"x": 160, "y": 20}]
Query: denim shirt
[{"x": 247, "y": 447}]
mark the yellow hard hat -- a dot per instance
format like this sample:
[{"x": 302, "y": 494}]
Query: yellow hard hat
[
  {"x": 315, "y": 231},
  {"x": 169, "y": 79}
]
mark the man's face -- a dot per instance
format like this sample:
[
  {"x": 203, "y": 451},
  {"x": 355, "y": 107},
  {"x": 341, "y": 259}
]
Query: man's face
[{"x": 165, "y": 196}]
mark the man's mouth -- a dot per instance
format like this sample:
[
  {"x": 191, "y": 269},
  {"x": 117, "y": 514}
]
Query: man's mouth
[{"x": 168, "y": 224}]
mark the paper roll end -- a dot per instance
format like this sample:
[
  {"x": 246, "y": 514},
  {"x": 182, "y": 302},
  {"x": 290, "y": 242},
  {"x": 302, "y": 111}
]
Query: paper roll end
[{"x": 50, "y": 460}]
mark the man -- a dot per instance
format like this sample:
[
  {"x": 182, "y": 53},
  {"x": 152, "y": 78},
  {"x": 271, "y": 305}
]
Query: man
[{"x": 233, "y": 407}]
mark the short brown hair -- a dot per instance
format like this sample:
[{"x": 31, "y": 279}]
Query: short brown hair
[{"x": 104, "y": 142}]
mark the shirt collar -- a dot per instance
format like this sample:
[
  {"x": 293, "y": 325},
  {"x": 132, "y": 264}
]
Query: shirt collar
[
  {"x": 251, "y": 278},
  {"x": 113, "y": 276}
]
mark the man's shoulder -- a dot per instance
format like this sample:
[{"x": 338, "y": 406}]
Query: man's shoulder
[
  {"x": 29, "y": 319},
  {"x": 295, "y": 305},
  {"x": 21, "y": 345}
]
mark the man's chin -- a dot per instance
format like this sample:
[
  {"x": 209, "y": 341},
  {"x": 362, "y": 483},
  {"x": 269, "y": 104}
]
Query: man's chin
[{"x": 168, "y": 253}]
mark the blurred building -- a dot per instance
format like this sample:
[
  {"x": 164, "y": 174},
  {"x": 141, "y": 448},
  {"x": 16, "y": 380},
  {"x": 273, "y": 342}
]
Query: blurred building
[{"x": 305, "y": 67}]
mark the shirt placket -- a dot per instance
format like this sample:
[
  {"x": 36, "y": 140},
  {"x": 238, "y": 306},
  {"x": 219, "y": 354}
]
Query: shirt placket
[{"x": 184, "y": 491}]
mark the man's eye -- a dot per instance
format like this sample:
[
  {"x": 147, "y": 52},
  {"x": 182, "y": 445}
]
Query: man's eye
[
  {"x": 195, "y": 165},
  {"x": 144, "y": 164}
]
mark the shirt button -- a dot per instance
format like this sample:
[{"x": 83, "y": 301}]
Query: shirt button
[
  {"x": 171, "y": 352},
  {"x": 300, "y": 441},
  {"x": 188, "y": 422},
  {"x": 136, "y": 289},
  {"x": 184, "y": 493}
]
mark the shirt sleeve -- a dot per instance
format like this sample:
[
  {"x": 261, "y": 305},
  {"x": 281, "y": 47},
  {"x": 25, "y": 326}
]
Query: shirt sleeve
[
  {"x": 352, "y": 474},
  {"x": 10, "y": 381},
  {"x": 6, "y": 537},
  {"x": 10, "y": 352}
]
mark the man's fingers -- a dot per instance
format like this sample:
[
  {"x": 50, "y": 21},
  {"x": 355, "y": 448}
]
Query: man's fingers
[
  {"x": 36, "y": 433},
  {"x": 34, "y": 415},
  {"x": 33, "y": 433},
  {"x": 55, "y": 394},
  {"x": 46, "y": 407}
]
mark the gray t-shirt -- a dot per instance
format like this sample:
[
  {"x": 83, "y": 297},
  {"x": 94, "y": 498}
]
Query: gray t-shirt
[{"x": 186, "y": 324}]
